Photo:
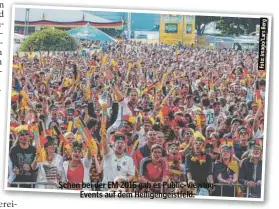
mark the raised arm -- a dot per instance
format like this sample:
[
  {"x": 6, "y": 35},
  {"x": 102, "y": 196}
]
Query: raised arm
[
  {"x": 257, "y": 117},
  {"x": 112, "y": 79},
  {"x": 104, "y": 142}
]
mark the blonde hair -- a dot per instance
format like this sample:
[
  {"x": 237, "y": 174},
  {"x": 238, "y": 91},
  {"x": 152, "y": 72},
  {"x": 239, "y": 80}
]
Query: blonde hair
[{"x": 67, "y": 134}]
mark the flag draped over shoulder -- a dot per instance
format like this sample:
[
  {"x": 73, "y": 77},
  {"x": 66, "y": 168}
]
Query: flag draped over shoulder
[{"x": 258, "y": 97}]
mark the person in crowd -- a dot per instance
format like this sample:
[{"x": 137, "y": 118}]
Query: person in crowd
[
  {"x": 199, "y": 165},
  {"x": 241, "y": 147},
  {"x": 250, "y": 173},
  {"x": 153, "y": 169},
  {"x": 22, "y": 154},
  {"x": 226, "y": 171},
  {"x": 77, "y": 170},
  {"x": 144, "y": 151},
  {"x": 116, "y": 162},
  {"x": 50, "y": 170}
]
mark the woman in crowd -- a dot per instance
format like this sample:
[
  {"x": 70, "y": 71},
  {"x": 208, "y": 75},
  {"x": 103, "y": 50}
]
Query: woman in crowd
[
  {"x": 77, "y": 170},
  {"x": 51, "y": 169}
]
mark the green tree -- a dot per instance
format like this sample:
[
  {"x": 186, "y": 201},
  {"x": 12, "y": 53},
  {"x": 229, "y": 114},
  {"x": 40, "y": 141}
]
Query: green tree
[
  {"x": 202, "y": 21},
  {"x": 235, "y": 26},
  {"x": 49, "y": 39}
]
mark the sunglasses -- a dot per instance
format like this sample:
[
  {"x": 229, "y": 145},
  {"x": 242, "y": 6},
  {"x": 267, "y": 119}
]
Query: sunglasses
[
  {"x": 243, "y": 133},
  {"x": 24, "y": 134},
  {"x": 188, "y": 134}
]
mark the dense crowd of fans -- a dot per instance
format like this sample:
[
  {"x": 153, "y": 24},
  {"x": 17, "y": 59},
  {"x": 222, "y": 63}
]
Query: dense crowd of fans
[{"x": 138, "y": 112}]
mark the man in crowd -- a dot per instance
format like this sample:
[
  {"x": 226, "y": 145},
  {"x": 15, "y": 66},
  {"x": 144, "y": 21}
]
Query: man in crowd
[
  {"x": 250, "y": 173},
  {"x": 116, "y": 162},
  {"x": 22, "y": 155},
  {"x": 199, "y": 165}
]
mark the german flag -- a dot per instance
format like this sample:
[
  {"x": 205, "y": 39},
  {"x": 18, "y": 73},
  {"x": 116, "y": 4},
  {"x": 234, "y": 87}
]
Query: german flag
[
  {"x": 258, "y": 97},
  {"x": 150, "y": 87}
]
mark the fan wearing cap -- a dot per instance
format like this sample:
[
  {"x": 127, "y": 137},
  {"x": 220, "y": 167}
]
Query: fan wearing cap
[
  {"x": 77, "y": 170},
  {"x": 235, "y": 124},
  {"x": 225, "y": 171},
  {"x": 116, "y": 162},
  {"x": 241, "y": 147},
  {"x": 50, "y": 170},
  {"x": 186, "y": 142},
  {"x": 70, "y": 114},
  {"x": 22, "y": 154},
  {"x": 153, "y": 168},
  {"x": 128, "y": 129},
  {"x": 198, "y": 164},
  {"x": 250, "y": 173}
]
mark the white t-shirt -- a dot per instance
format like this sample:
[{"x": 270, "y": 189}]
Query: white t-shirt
[
  {"x": 210, "y": 116},
  {"x": 258, "y": 134},
  {"x": 49, "y": 172},
  {"x": 123, "y": 109},
  {"x": 116, "y": 167}
]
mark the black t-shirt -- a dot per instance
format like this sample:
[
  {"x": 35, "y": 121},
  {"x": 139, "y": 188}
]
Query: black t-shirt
[
  {"x": 239, "y": 151},
  {"x": 199, "y": 171},
  {"x": 19, "y": 157}
]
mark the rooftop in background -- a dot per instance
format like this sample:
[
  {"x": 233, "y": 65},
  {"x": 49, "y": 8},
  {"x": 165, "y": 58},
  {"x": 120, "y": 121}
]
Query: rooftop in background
[
  {"x": 139, "y": 21},
  {"x": 62, "y": 18}
]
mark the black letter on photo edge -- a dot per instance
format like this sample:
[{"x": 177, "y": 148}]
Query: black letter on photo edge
[
  {"x": 60, "y": 185},
  {"x": 263, "y": 42}
]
